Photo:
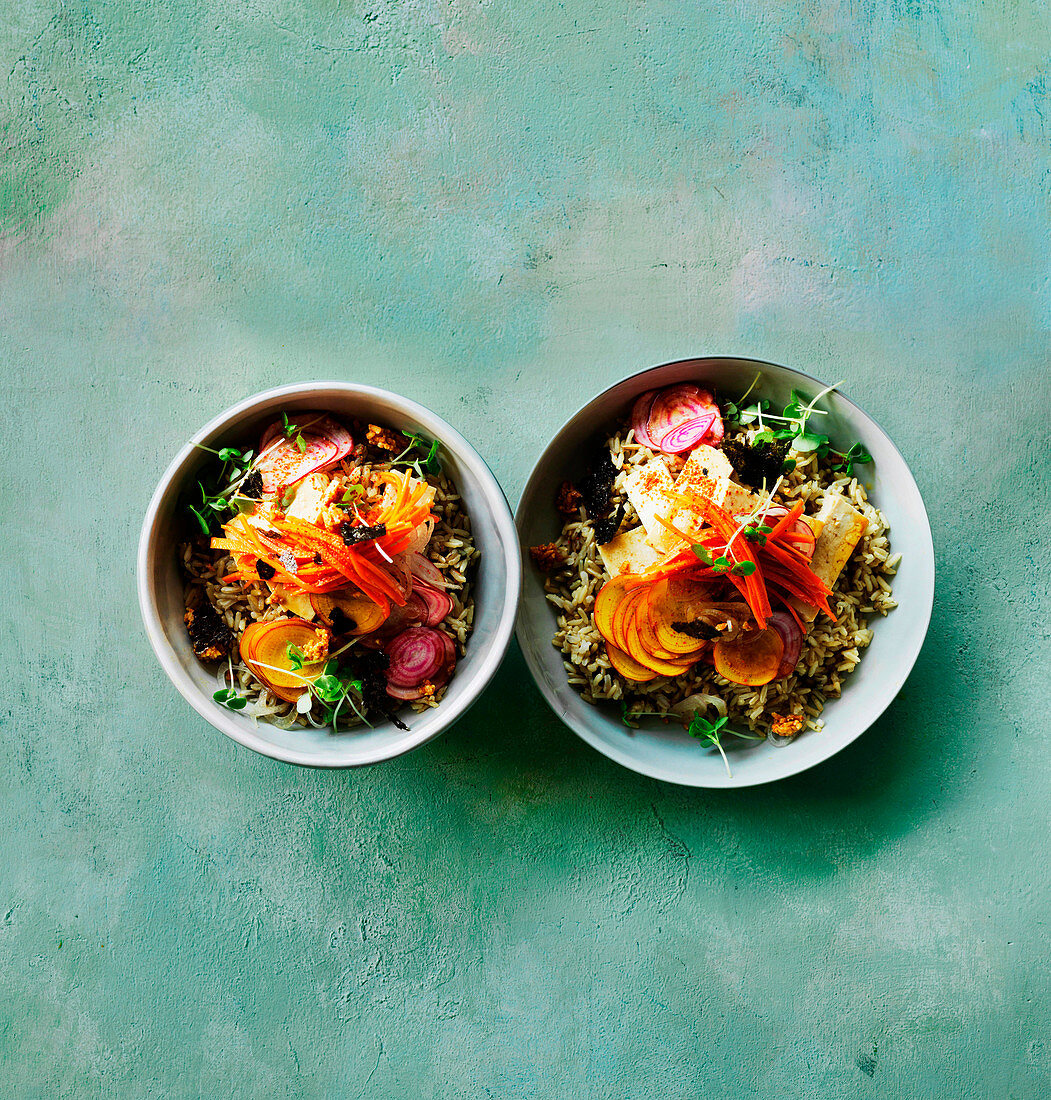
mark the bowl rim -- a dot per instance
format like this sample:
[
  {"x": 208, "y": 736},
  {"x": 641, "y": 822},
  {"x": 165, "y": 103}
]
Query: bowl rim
[
  {"x": 718, "y": 780},
  {"x": 490, "y": 658}
]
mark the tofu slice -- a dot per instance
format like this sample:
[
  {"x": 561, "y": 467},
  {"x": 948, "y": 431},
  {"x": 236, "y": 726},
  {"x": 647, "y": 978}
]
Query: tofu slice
[
  {"x": 733, "y": 498},
  {"x": 645, "y": 487},
  {"x": 309, "y": 498},
  {"x": 704, "y": 464},
  {"x": 628, "y": 552},
  {"x": 842, "y": 526}
]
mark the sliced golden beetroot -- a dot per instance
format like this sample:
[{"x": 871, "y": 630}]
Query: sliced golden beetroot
[
  {"x": 672, "y": 601},
  {"x": 620, "y": 618},
  {"x": 264, "y": 648},
  {"x": 752, "y": 659},
  {"x": 634, "y": 648},
  {"x": 627, "y": 666},
  {"x": 648, "y": 636},
  {"x": 362, "y": 615},
  {"x": 608, "y": 600}
]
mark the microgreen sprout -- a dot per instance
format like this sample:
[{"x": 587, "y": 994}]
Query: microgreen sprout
[
  {"x": 229, "y": 697},
  {"x": 712, "y": 732},
  {"x": 428, "y": 463},
  {"x": 295, "y": 657},
  {"x": 219, "y": 492},
  {"x": 858, "y": 455},
  {"x": 351, "y": 493},
  {"x": 293, "y": 432}
]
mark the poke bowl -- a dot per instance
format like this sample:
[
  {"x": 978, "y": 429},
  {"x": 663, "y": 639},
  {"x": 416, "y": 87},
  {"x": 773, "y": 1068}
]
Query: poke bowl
[
  {"x": 328, "y": 573},
  {"x": 729, "y": 572}
]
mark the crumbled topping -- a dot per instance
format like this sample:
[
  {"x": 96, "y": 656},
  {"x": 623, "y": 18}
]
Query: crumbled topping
[
  {"x": 787, "y": 725},
  {"x": 316, "y": 650},
  {"x": 569, "y": 498},
  {"x": 548, "y": 558},
  {"x": 383, "y": 439}
]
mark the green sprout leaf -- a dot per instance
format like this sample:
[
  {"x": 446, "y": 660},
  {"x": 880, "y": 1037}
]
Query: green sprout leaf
[
  {"x": 295, "y": 657},
  {"x": 743, "y": 568},
  {"x": 703, "y": 553}
]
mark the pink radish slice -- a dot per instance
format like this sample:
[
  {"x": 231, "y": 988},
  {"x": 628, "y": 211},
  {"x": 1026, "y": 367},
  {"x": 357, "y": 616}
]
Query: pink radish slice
[
  {"x": 282, "y": 463},
  {"x": 425, "y": 570},
  {"x": 687, "y": 435},
  {"x": 438, "y": 603},
  {"x": 410, "y": 695},
  {"x": 640, "y": 415},
  {"x": 450, "y": 652},
  {"x": 416, "y": 655},
  {"x": 677, "y": 405},
  {"x": 285, "y": 464},
  {"x": 792, "y": 636}
]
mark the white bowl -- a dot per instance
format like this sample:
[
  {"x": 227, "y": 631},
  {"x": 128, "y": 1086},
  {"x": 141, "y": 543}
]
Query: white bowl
[
  {"x": 497, "y": 584},
  {"x": 667, "y": 752}
]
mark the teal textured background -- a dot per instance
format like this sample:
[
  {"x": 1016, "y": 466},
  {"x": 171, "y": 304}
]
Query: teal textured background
[{"x": 499, "y": 209}]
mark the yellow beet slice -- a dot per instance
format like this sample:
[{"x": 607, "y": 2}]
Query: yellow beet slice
[
  {"x": 752, "y": 659},
  {"x": 627, "y": 666},
  {"x": 264, "y": 648}
]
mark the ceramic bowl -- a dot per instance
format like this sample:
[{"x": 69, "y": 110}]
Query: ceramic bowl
[
  {"x": 667, "y": 752},
  {"x": 496, "y": 590}
]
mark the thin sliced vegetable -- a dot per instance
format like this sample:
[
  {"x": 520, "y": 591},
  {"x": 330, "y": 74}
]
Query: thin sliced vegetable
[
  {"x": 265, "y": 649},
  {"x": 627, "y": 666},
  {"x": 752, "y": 659},
  {"x": 416, "y": 655},
  {"x": 640, "y": 417},
  {"x": 787, "y": 625},
  {"x": 687, "y": 434}
]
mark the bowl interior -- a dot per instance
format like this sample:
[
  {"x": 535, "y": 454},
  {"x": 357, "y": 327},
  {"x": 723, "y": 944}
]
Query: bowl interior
[
  {"x": 667, "y": 752},
  {"x": 497, "y": 580}
]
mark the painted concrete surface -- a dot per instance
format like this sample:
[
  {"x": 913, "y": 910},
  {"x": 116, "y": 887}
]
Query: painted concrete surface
[{"x": 500, "y": 208}]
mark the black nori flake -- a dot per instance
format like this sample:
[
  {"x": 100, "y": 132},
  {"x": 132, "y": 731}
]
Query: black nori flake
[
  {"x": 207, "y": 633},
  {"x": 370, "y": 666},
  {"x": 752, "y": 465},
  {"x": 596, "y": 488},
  {"x": 699, "y": 629},
  {"x": 341, "y": 621},
  {"x": 318, "y": 559},
  {"x": 352, "y": 535},
  {"x": 264, "y": 569},
  {"x": 608, "y": 526},
  {"x": 252, "y": 486}
]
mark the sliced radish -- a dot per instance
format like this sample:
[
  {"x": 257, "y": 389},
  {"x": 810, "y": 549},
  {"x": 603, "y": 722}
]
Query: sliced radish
[
  {"x": 687, "y": 435},
  {"x": 416, "y": 655},
  {"x": 438, "y": 603},
  {"x": 675, "y": 406},
  {"x": 425, "y": 570},
  {"x": 792, "y": 636},
  {"x": 411, "y": 694},
  {"x": 640, "y": 415},
  {"x": 282, "y": 463}
]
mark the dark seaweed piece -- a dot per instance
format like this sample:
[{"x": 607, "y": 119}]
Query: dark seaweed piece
[
  {"x": 370, "y": 667},
  {"x": 596, "y": 489},
  {"x": 608, "y": 526},
  {"x": 318, "y": 559},
  {"x": 698, "y": 629},
  {"x": 210, "y": 637},
  {"x": 252, "y": 486},
  {"x": 763, "y": 461},
  {"x": 353, "y": 535},
  {"x": 264, "y": 569}
]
